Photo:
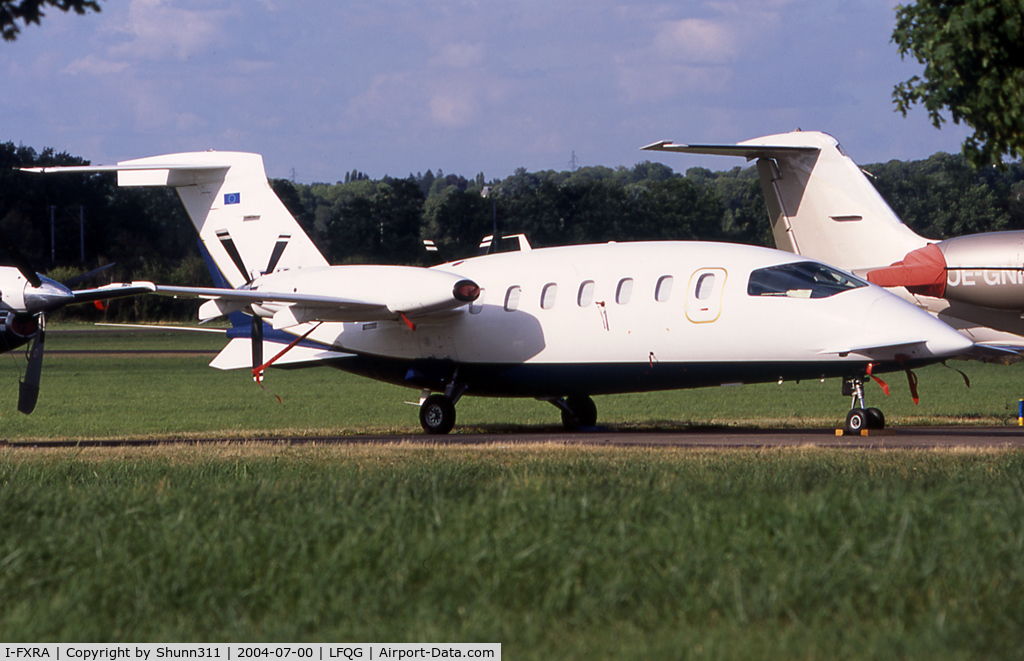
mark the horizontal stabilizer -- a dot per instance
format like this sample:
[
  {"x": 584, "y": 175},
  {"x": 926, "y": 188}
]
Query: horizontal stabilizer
[
  {"x": 238, "y": 354},
  {"x": 148, "y": 174},
  {"x": 746, "y": 151}
]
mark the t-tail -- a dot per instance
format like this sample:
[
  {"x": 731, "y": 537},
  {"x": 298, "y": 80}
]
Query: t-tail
[
  {"x": 241, "y": 221},
  {"x": 820, "y": 202}
]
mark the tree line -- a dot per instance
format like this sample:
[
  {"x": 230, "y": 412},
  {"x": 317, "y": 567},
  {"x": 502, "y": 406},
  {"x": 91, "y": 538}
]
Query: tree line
[{"x": 147, "y": 234}]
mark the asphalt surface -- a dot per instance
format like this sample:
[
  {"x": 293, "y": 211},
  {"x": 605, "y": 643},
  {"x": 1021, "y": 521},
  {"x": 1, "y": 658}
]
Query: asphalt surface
[{"x": 924, "y": 438}]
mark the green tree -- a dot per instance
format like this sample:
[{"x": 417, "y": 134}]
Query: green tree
[
  {"x": 380, "y": 225},
  {"x": 30, "y": 11},
  {"x": 943, "y": 196},
  {"x": 973, "y": 52},
  {"x": 456, "y": 221},
  {"x": 678, "y": 210}
]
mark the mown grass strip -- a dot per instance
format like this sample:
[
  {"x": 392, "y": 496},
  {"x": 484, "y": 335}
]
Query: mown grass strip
[
  {"x": 86, "y": 397},
  {"x": 555, "y": 552}
]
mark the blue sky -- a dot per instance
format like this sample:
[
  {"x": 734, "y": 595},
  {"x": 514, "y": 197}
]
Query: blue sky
[{"x": 322, "y": 87}]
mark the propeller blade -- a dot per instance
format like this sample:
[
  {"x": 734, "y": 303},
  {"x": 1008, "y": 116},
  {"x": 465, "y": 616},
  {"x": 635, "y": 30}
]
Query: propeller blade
[
  {"x": 79, "y": 279},
  {"x": 256, "y": 337},
  {"x": 20, "y": 261},
  {"x": 28, "y": 390}
]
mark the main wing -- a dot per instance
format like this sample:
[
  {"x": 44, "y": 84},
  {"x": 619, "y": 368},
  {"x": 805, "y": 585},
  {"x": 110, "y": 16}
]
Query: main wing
[
  {"x": 225, "y": 301},
  {"x": 338, "y": 293}
]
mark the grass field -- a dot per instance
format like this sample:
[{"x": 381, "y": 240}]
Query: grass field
[
  {"x": 116, "y": 396},
  {"x": 557, "y": 553}
]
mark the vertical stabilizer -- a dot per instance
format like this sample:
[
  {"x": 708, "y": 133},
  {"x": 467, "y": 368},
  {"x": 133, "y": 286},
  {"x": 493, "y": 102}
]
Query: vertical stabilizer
[
  {"x": 820, "y": 203},
  {"x": 241, "y": 221}
]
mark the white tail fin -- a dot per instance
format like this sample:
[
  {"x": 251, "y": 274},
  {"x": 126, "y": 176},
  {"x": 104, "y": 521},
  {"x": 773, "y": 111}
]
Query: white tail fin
[
  {"x": 240, "y": 219},
  {"x": 819, "y": 201}
]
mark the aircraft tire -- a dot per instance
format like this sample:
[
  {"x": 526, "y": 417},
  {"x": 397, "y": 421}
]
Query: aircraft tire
[
  {"x": 582, "y": 412},
  {"x": 876, "y": 420},
  {"x": 856, "y": 420},
  {"x": 437, "y": 414}
]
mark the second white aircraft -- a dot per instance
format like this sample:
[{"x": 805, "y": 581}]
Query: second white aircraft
[{"x": 557, "y": 324}]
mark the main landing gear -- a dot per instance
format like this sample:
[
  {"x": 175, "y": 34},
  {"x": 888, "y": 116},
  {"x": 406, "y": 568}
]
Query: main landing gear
[
  {"x": 577, "y": 411},
  {"x": 860, "y": 418},
  {"x": 437, "y": 411}
]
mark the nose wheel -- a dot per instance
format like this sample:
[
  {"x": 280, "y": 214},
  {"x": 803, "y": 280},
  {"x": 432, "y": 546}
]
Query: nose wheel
[
  {"x": 860, "y": 418},
  {"x": 437, "y": 414},
  {"x": 437, "y": 411}
]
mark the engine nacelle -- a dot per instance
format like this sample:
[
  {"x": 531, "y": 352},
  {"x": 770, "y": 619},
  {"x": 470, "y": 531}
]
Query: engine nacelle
[
  {"x": 17, "y": 329},
  {"x": 980, "y": 269},
  {"x": 986, "y": 269}
]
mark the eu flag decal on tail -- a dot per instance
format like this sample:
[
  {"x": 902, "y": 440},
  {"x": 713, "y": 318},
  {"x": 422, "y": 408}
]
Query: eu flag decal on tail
[{"x": 232, "y": 198}]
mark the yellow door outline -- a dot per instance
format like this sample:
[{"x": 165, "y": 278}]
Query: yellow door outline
[{"x": 704, "y": 295}]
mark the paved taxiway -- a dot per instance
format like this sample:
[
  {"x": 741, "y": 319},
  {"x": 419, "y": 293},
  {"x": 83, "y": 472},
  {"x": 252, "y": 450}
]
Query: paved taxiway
[{"x": 713, "y": 437}]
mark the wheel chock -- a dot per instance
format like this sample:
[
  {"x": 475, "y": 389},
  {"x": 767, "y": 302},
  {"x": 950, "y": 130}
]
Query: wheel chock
[{"x": 866, "y": 432}]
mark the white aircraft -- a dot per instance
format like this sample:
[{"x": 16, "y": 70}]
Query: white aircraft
[
  {"x": 557, "y": 324},
  {"x": 821, "y": 205},
  {"x": 25, "y": 299}
]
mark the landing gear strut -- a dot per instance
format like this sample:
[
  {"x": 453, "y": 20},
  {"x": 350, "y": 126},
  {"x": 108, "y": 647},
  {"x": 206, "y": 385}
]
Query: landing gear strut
[{"x": 859, "y": 417}]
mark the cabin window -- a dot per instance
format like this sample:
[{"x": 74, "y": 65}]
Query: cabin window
[
  {"x": 586, "y": 294},
  {"x": 547, "y": 296},
  {"x": 512, "y": 298},
  {"x": 477, "y": 306},
  {"x": 705, "y": 286},
  {"x": 663, "y": 289},
  {"x": 801, "y": 280},
  {"x": 624, "y": 291}
]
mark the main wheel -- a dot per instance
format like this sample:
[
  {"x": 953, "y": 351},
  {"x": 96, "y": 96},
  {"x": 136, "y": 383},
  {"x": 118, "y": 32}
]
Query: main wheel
[
  {"x": 437, "y": 414},
  {"x": 856, "y": 420},
  {"x": 582, "y": 412},
  {"x": 875, "y": 418}
]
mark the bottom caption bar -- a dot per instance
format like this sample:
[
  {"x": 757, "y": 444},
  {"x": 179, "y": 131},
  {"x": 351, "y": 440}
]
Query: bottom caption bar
[{"x": 241, "y": 651}]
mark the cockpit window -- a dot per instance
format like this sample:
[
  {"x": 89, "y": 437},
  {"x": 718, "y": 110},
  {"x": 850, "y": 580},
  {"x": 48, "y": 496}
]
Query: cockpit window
[{"x": 801, "y": 280}]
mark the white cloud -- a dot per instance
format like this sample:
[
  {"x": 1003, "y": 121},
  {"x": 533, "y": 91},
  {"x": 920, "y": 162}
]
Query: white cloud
[
  {"x": 158, "y": 29},
  {"x": 94, "y": 65},
  {"x": 696, "y": 41},
  {"x": 459, "y": 56},
  {"x": 454, "y": 107}
]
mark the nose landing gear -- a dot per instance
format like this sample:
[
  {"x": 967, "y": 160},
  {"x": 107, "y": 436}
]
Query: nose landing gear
[
  {"x": 437, "y": 411},
  {"x": 437, "y": 414},
  {"x": 860, "y": 418}
]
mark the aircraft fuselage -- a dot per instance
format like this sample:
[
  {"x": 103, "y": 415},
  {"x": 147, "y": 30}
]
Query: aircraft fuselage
[{"x": 633, "y": 317}]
